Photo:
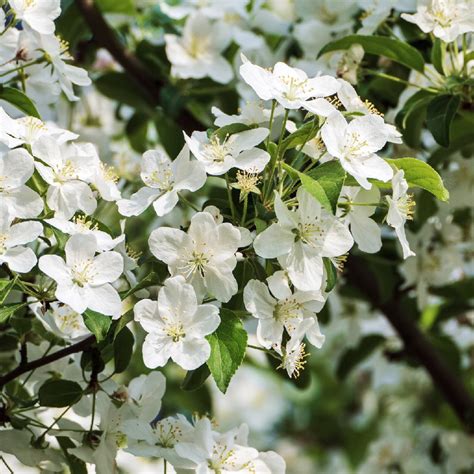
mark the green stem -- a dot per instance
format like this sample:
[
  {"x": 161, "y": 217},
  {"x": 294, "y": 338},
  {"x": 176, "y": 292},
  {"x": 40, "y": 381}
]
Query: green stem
[
  {"x": 188, "y": 203},
  {"x": 93, "y": 411},
  {"x": 271, "y": 353},
  {"x": 19, "y": 68},
  {"x": 244, "y": 212},
  {"x": 50, "y": 427},
  {"x": 270, "y": 125},
  {"x": 229, "y": 196},
  {"x": 399, "y": 80}
]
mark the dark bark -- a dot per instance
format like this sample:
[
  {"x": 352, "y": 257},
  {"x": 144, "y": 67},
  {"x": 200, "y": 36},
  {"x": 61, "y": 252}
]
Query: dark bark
[
  {"x": 416, "y": 343},
  {"x": 105, "y": 37}
]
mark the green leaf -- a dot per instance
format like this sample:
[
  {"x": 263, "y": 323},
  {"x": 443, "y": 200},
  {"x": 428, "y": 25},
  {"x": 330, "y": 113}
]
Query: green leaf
[
  {"x": 391, "y": 48},
  {"x": 195, "y": 378},
  {"x": 331, "y": 274},
  {"x": 123, "y": 349},
  {"x": 222, "y": 132},
  {"x": 422, "y": 175},
  {"x": 355, "y": 355},
  {"x": 171, "y": 135},
  {"x": 97, "y": 323},
  {"x": 324, "y": 183},
  {"x": 5, "y": 287},
  {"x": 137, "y": 130},
  {"x": 119, "y": 86},
  {"x": 124, "y": 7},
  {"x": 7, "y": 310},
  {"x": 19, "y": 100},
  {"x": 300, "y": 136},
  {"x": 59, "y": 393},
  {"x": 76, "y": 465},
  {"x": 439, "y": 116},
  {"x": 438, "y": 52},
  {"x": 228, "y": 346},
  {"x": 331, "y": 177}
]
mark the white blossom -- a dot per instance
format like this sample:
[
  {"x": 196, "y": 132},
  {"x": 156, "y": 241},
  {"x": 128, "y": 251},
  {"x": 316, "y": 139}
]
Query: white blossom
[
  {"x": 400, "y": 208},
  {"x": 301, "y": 238},
  {"x": 219, "y": 155},
  {"x": 176, "y": 325},
  {"x": 12, "y": 240},
  {"x": 197, "y": 53},
  {"x": 278, "y": 308},
  {"x": 204, "y": 256},
  {"x": 84, "y": 279},
  {"x": 39, "y": 14},
  {"x": 446, "y": 19},
  {"x": 355, "y": 145},
  {"x": 163, "y": 179},
  {"x": 16, "y": 168}
]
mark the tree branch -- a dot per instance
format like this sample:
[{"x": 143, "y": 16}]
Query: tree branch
[
  {"x": 24, "y": 368},
  {"x": 416, "y": 343},
  {"x": 105, "y": 37}
]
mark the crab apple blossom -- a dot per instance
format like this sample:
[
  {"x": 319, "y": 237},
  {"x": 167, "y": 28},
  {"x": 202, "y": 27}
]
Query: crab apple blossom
[
  {"x": 38, "y": 15},
  {"x": 163, "y": 179},
  {"x": 204, "y": 255},
  {"x": 355, "y": 145},
  {"x": 400, "y": 209},
  {"x": 197, "y": 53},
  {"x": 16, "y": 168},
  {"x": 12, "y": 240},
  {"x": 238, "y": 150},
  {"x": 66, "y": 169},
  {"x": 84, "y": 279},
  {"x": 301, "y": 238},
  {"x": 278, "y": 308},
  {"x": 176, "y": 326},
  {"x": 290, "y": 87}
]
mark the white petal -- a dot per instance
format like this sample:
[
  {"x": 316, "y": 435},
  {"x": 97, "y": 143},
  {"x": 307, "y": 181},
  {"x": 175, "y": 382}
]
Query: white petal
[
  {"x": 166, "y": 203},
  {"x": 108, "y": 267},
  {"x": 273, "y": 241},
  {"x": 19, "y": 259},
  {"x": 55, "y": 267},
  {"x": 80, "y": 248},
  {"x": 258, "y": 301},
  {"x": 105, "y": 300},
  {"x": 166, "y": 244},
  {"x": 138, "y": 201}
]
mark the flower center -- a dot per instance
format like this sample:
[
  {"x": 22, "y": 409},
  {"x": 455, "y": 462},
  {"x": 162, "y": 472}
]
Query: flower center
[
  {"x": 221, "y": 455},
  {"x": 354, "y": 145},
  {"x": 161, "y": 179},
  {"x": 108, "y": 173},
  {"x": 295, "y": 87},
  {"x": 197, "y": 46},
  {"x": 83, "y": 273},
  {"x": 65, "y": 172},
  {"x": 175, "y": 331},
  {"x": 217, "y": 150},
  {"x": 310, "y": 233},
  {"x": 168, "y": 433},
  {"x": 285, "y": 311},
  {"x": 441, "y": 14},
  {"x": 294, "y": 361},
  {"x": 406, "y": 206}
]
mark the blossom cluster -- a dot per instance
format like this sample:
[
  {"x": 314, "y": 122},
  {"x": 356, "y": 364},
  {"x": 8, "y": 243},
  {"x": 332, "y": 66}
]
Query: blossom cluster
[{"x": 305, "y": 157}]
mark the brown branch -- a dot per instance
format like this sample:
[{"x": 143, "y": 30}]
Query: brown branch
[
  {"x": 416, "y": 343},
  {"x": 106, "y": 37},
  {"x": 24, "y": 368}
]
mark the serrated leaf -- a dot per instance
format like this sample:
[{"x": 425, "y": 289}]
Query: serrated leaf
[
  {"x": 398, "y": 51},
  {"x": 123, "y": 349},
  {"x": 355, "y": 355},
  {"x": 59, "y": 393},
  {"x": 7, "y": 310},
  {"x": 422, "y": 175},
  {"x": 324, "y": 183},
  {"x": 97, "y": 323},
  {"x": 439, "y": 116},
  {"x": 195, "y": 378},
  {"x": 228, "y": 346},
  {"x": 19, "y": 100}
]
